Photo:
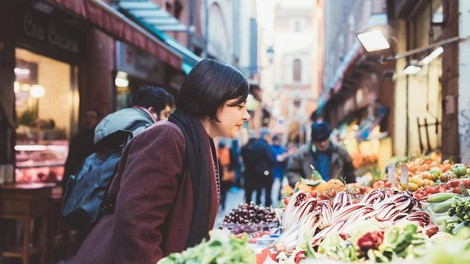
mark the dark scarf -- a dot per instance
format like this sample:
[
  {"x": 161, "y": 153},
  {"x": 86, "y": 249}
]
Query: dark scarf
[{"x": 196, "y": 162}]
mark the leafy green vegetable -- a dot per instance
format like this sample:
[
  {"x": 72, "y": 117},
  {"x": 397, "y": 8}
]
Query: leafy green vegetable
[{"x": 222, "y": 248}]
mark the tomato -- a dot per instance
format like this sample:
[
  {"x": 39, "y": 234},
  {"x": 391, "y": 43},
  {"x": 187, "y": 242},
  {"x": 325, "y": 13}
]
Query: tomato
[
  {"x": 454, "y": 183},
  {"x": 442, "y": 189},
  {"x": 435, "y": 173},
  {"x": 447, "y": 161},
  {"x": 332, "y": 193},
  {"x": 446, "y": 167},
  {"x": 378, "y": 185},
  {"x": 286, "y": 200},
  {"x": 466, "y": 183},
  {"x": 459, "y": 169},
  {"x": 415, "y": 179},
  {"x": 456, "y": 190},
  {"x": 418, "y": 196},
  {"x": 447, "y": 176},
  {"x": 433, "y": 189},
  {"x": 412, "y": 186}
]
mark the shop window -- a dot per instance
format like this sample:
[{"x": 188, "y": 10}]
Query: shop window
[
  {"x": 297, "y": 70},
  {"x": 438, "y": 18},
  {"x": 44, "y": 107},
  {"x": 296, "y": 26}
]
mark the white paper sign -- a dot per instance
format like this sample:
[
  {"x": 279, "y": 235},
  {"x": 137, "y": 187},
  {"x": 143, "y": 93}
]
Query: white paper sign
[
  {"x": 391, "y": 173},
  {"x": 404, "y": 174}
]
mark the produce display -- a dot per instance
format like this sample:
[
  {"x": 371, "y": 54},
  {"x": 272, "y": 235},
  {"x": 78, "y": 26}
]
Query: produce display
[
  {"x": 221, "y": 248},
  {"x": 419, "y": 213},
  {"x": 250, "y": 218}
]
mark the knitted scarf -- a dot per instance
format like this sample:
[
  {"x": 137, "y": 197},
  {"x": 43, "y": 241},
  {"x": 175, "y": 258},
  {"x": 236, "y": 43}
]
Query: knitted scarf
[{"x": 196, "y": 162}]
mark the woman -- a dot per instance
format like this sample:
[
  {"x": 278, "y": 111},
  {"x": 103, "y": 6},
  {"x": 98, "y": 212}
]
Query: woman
[{"x": 165, "y": 192}]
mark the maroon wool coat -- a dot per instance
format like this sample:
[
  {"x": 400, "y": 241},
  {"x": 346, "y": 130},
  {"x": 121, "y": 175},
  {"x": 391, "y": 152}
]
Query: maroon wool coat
[{"x": 152, "y": 216}]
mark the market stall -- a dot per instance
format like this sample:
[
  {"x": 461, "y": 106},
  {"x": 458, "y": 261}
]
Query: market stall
[{"x": 419, "y": 213}]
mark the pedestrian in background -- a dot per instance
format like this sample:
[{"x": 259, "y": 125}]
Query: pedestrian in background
[
  {"x": 263, "y": 162},
  {"x": 165, "y": 192},
  {"x": 330, "y": 159},
  {"x": 250, "y": 183},
  {"x": 227, "y": 173},
  {"x": 280, "y": 162},
  {"x": 236, "y": 164},
  {"x": 81, "y": 145}
]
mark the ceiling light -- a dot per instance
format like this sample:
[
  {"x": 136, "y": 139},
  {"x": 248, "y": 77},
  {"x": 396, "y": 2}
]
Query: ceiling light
[
  {"x": 121, "y": 79},
  {"x": 412, "y": 69},
  {"x": 432, "y": 56},
  {"x": 37, "y": 91},
  {"x": 373, "y": 40},
  {"x": 22, "y": 71}
]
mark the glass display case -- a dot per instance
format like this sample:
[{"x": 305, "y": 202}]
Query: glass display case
[{"x": 42, "y": 161}]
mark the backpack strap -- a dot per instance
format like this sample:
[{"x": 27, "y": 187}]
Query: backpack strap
[
  {"x": 119, "y": 139},
  {"x": 114, "y": 139}
]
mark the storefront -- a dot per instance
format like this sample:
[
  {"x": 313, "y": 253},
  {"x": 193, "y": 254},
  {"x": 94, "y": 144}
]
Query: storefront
[
  {"x": 56, "y": 63},
  {"x": 359, "y": 107},
  {"x": 135, "y": 68},
  {"x": 46, "y": 69}
]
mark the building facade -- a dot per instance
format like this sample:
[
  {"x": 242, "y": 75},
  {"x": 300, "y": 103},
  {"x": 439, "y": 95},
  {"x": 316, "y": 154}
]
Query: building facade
[{"x": 61, "y": 58}]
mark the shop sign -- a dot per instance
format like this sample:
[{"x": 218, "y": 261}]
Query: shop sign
[
  {"x": 138, "y": 63},
  {"x": 37, "y": 27}
]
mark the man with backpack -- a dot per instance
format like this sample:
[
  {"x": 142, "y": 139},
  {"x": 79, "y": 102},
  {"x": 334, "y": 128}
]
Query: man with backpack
[
  {"x": 84, "y": 195},
  {"x": 149, "y": 105}
]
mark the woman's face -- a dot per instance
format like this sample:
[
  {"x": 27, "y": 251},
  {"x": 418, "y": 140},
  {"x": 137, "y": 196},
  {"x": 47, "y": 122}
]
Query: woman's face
[{"x": 231, "y": 119}]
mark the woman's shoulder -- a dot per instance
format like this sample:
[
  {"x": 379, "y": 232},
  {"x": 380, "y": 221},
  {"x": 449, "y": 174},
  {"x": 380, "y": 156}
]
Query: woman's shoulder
[{"x": 163, "y": 129}]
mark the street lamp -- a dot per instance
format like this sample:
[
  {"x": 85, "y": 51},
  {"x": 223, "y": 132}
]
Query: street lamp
[{"x": 270, "y": 54}]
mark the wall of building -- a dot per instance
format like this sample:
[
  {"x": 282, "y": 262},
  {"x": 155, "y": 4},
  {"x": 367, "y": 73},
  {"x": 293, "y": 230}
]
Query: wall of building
[
  {"x": 220, "y": 38},
  {"x": 295, "y": 38},
  {"x": 96, "y": 83},
  {"x": 464, "y": 80}
]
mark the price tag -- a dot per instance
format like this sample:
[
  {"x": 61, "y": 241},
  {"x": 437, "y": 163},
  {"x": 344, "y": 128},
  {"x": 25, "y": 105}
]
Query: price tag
[
  {"x": 391, "y": 173},
  {"x": 404, "y": 174}
]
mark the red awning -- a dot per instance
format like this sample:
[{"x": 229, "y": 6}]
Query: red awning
[{"x": 118, "y": 26}]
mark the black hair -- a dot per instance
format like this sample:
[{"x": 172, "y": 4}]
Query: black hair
[
  {"x": 208, "y": 85},
  {"x": 150, "y": 96},
  {"x": 321, "y": 131}
]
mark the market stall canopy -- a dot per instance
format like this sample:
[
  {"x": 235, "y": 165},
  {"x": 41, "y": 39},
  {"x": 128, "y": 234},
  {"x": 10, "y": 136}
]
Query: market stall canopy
[
  {"x": 336, "y": 83},
  {"x": 352, "y": 58},
  {"x": 156, "y": 20},
  {"x": 137, "y": 33}
]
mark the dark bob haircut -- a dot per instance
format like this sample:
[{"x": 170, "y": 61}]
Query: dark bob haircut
[{"x": 208, "y": 85}]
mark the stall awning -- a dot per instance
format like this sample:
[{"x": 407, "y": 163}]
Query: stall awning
[
  {"x": 156, "y": 20},
  {"x": 120, "y": 27},
  {"x": 336, "y": 83},
  {"x": 153, "y": 14}
]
